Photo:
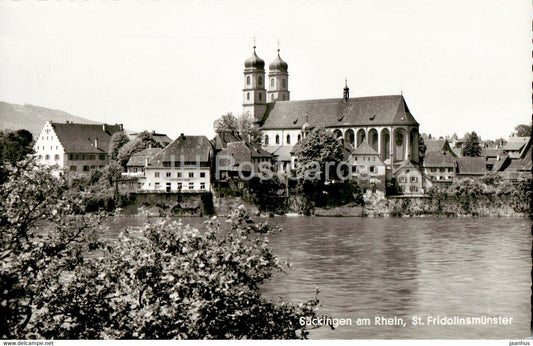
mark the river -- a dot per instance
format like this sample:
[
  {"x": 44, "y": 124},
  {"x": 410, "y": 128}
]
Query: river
[{"x": 404, "y": 269}]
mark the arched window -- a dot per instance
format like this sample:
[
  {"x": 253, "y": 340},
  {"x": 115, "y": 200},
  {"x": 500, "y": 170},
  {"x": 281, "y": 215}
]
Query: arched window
[
  {"x": 260, "y": 96},
  {"x": 283, "y": 97},
  {"x": 248, "y": 96},
  {"x": 277, "y": 139},
  {"x": 299, "y": 137},
  {"x": 266, "y": 139},
  {"x": 260, "y": 80},
  {"x": 288, "y": 139},
  {"x": 47, "y": 157},
  {"x": 56, "y": 157},
  {"x": 248, "y": 80},
  {"x": 272, "y": 82},
  {"x": 283, "y": 83}
]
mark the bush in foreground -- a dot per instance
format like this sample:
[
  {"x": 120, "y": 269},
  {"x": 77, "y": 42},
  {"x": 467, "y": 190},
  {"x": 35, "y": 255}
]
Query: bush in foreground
[{"x": 163, "y": 281}]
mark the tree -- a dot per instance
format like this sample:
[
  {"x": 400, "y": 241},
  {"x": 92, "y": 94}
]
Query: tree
[
  {"x": 472, "y": 145},
  {"x": 226, "y": 123},
  {"x": 244, "y": 126},
  {"x": 144, "y": 140},
  {"x": 248, "y": 129},
  {"x": 421, "y": 149},
  {"x": 118, "y": 140},
  {"x": 163, "y": 281},
  {"x": 318, "y": 149},
  {"x": 523, "y": 130},
  {"x": 14, "y": 147}
]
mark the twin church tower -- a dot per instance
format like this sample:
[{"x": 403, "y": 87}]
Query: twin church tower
[{"x": 255, "y": 95}]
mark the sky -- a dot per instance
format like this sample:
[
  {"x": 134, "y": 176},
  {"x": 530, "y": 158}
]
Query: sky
[{"x": 174, "y": 66}]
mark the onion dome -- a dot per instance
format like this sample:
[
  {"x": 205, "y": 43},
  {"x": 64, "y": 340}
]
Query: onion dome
[
  {"x": 278, "y": 64},
  {"x": 254, "y": 62}
]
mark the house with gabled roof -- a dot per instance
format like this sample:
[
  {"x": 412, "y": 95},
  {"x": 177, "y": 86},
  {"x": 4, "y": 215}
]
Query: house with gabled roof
[
  {"x": 383, "y": 122},
  {"x": 439, "y": 166},
  {"x": 185, "y": 165},
  {"x": 409, "y": 181},
  {"x": 470, "y": 167},
  {"x": 74, "y": 147},
  {"x": 368, "y": 169}
]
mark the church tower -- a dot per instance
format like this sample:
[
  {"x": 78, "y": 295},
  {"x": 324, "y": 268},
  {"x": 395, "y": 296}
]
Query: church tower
[
  {"x": 254, "y": 92},
  {"x": 278, "y": 80}
]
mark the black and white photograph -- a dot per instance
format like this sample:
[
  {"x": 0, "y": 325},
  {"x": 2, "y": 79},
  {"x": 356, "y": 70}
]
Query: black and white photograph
[{"x": 263, "y": 170}]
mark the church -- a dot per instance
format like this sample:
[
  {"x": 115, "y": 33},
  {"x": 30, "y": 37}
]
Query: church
[{"x": 383, "y": 122}]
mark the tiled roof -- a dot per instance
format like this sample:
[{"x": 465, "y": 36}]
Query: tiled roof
[
  {"x": 516, "y": 143},
  {"x": 436, "y": 159},
  {"x": 80, "y": 138},
  {"x": 365, "y": 149},
  {"x": 241, "y": 152},
  {"x": 222, "y": 139},
  {"x": 139, "y": 159},
  {"x": 492, "y": 152},
  {"x": 186, "y": 149},
  {"x": 282, "y": 153},
  {"x": 403, "y": 165},
  {"x": 376, "y": 110},
  {"x": 471, "y": 165},
  {"x": 434, "y": 144}
]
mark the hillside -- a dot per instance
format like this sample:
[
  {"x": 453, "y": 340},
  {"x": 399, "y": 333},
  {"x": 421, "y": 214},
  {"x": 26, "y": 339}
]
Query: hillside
[{"x": 33, "y": 118}]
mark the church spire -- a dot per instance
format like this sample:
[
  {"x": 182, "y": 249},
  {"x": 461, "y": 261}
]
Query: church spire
[{"x": 346, "y": 93}]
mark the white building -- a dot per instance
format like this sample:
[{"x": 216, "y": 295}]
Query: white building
[
  {"x": 74, "y": 147},
  {"x": 182, "y": 166}
]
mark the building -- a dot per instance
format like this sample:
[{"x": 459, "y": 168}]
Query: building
[
  {"x": 384, "y": 122},
  {"x": 74, "y": 147},
  {"x": 410, "y": 181},
  {"x": 139, "y": 161},
  {"x": 440, "y": 167},
  {"x": 185, "y": 165},
  {"x": 369, "y": 170},
  {"x": 441, "y": 146},
  {"x": 516, "y": 145},
  {"x": 160, "y": 138},
  {"x": 470, "y": 167}
]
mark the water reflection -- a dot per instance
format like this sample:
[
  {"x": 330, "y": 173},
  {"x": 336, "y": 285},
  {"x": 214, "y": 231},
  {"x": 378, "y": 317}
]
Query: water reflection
[{"x": 405, "y": 267}]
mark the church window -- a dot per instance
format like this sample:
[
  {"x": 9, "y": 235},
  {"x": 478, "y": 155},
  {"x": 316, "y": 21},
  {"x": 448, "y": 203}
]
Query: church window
[
  {"x": 272, "y": 97},
  {"x": 299, "y": 137},
  {"x": 248, "y": 96},
  {"x": 260, "y": 80},
  {"x": 266, "y": 139},
  {"x": 288, "y": 139},
  {"x": 248, "y": 80},
  {"x": 283, "y": 97},
  {"x": 283, "y": 83},
  {"x": 277, "y": 139},
  {"x": 272, "y": 82},
  {"x": 260, "y": 97}
]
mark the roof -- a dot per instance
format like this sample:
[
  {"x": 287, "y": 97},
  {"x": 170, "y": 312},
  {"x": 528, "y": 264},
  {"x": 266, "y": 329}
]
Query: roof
[
  {"x": 471, "y": 165},
  {"x": 436, "y": 159},
  {"x": 434, "y": 144},
  {"x": 492, "y": 152},
  {"x": 501, "y": 164},
  {"x": 160, "y": 138},
  {"x": 139, "y": 159},
  {"x": 403, "y": 165},
  {"x": 283, "y": 153},
  {"x": 516, "y": 143},
  {"x": 375, "y": 110},
  {"x": 186, "y": 149},
  {"x": 80, "y": 138},
  {"x": 222, "y": 139},
  {"x": 365, "y": 149}
]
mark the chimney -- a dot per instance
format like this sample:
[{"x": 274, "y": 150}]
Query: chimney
[
  {"x": 96, "y": 143},
  {"x": 104, "y": 127}
]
